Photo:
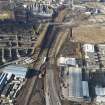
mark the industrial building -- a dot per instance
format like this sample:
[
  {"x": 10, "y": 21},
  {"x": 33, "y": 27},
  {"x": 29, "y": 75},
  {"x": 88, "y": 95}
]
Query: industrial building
[
  {"x": 29, "y": 10},
  {"x": 101, "y": 54},
  {"x": 74, "y": 87},
  {"x": 64, "y": 61},
  {"x": 85, "y": 83},
  {"x": 91, "y": 58},
  {"x": 12, "y": 78},
  {"x": 79, "y": 80},
  {"x": 4, "y": 3},
  {"x": 75, "y": 84},
  {"x": 20, "y": 14},
  {"x": 100, "y": 94},
  {"x": 85, "y": 87},
  {"x": 88, "y": 48},
  {"x": 95, "y": 64},
  {"x": 18, "y": 71},
  {"x": 94, "y": 56},
  {"x": 78, "y": 89}
]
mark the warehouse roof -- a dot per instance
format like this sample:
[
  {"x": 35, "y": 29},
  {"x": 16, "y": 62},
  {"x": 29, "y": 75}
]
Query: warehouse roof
[
  {"x": 67, "y": 61},
  {"x": 75, "y": 82},
  {"x": 88, "y": 47},
  {"x": 100, "y": 91},
  {"x": 85, "y": 88},
  {"x": 18, "y": 71}
]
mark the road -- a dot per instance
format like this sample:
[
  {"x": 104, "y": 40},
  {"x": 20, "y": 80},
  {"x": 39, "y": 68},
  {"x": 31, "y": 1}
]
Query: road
[
  {"x": 13, "y": 62},
  {"x": 51, "y": 91},
  {"x": 46, "y": 45},
  {"x": 31, "y": 95},
  {"x": 21, "y": 48},
  {"x": 51, "y": 95}
]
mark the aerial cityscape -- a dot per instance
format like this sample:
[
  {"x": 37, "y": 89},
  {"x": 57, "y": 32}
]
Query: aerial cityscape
[{"x": 52, "y": 52}]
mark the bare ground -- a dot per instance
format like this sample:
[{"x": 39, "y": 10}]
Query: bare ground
[{"x": 89, "y": 34}]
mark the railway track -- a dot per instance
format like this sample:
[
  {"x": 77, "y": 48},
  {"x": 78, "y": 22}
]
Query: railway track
[
  {"x": 28, "y": 94},
  {"x": 34, "y": 86},
  {"x": 21, "y": 98},
  {"x": 46, "y": 45}
]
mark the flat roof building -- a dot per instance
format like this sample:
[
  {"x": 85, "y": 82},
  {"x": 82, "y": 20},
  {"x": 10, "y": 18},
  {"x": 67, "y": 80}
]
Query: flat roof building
[
  {"x": 100, "y": 91},
  {"x": 75, "y": 83},
  {"x": 100, "y": 94},
  {"x": 18, "y": 71},
  {"x": 88, "y": 47},
  {"x": 85, "y": 88},
  {"x": 78, "y": 89},
  {"x": 63, "y": 61},
  {"x": 91, "y": 57}
]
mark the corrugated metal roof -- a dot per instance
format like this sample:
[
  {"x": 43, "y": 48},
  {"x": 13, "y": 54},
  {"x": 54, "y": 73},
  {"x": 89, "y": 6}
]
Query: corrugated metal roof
[
  {"x": 100, "y": 99},
  {"x": 85, "y": 88},
  {"x": 67, "y": 61},
  {"x": 88, "y": 47},
  {"x": 18, "y": 71},
  {"x": 75, "y": 82},
  {"x": 71, "y": 61},
  {"x": 100, "y": 91}
]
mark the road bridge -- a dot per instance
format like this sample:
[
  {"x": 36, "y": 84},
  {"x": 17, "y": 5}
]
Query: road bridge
[{"x": 19, "y": 41}]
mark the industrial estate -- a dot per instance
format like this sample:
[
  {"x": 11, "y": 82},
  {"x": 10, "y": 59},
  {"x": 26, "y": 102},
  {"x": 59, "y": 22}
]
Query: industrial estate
[{"x": 52, "y": 52}]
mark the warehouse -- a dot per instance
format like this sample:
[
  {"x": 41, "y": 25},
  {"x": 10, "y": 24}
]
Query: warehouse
[
  {"x": 64, "y": 61},
  {"x": 75, "y": 84},
  {"x": 11, "y": 81},
  {"x": 91, "y": 57},
  {"x": 18, "y": 71},
  {"x": 85, "y": 88},
  {"x": 100, "y": 91},
  {"x": 88, "y": 48},
  {"x": 78, "y": 89},
  {"x": 101, "y": 54},
  {"x": 100, "y": 94}
]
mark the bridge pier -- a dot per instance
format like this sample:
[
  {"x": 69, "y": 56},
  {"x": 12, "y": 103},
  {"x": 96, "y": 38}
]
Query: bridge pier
[
  {"x": 26, "y": 50},
  {"x": 10, "y": 52},
  {"x": 17, "y": 53},
  {"x": 3, "y": 59}
]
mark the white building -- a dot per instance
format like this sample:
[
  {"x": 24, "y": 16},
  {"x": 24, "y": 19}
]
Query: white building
[
  {"x": 88, "y": 48},
  {"x": 64, "y": 61},
  {"x": 100, "y": 93},
  {"x": 85, "y": 88},
  {"x": 78, "y": 89}
]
